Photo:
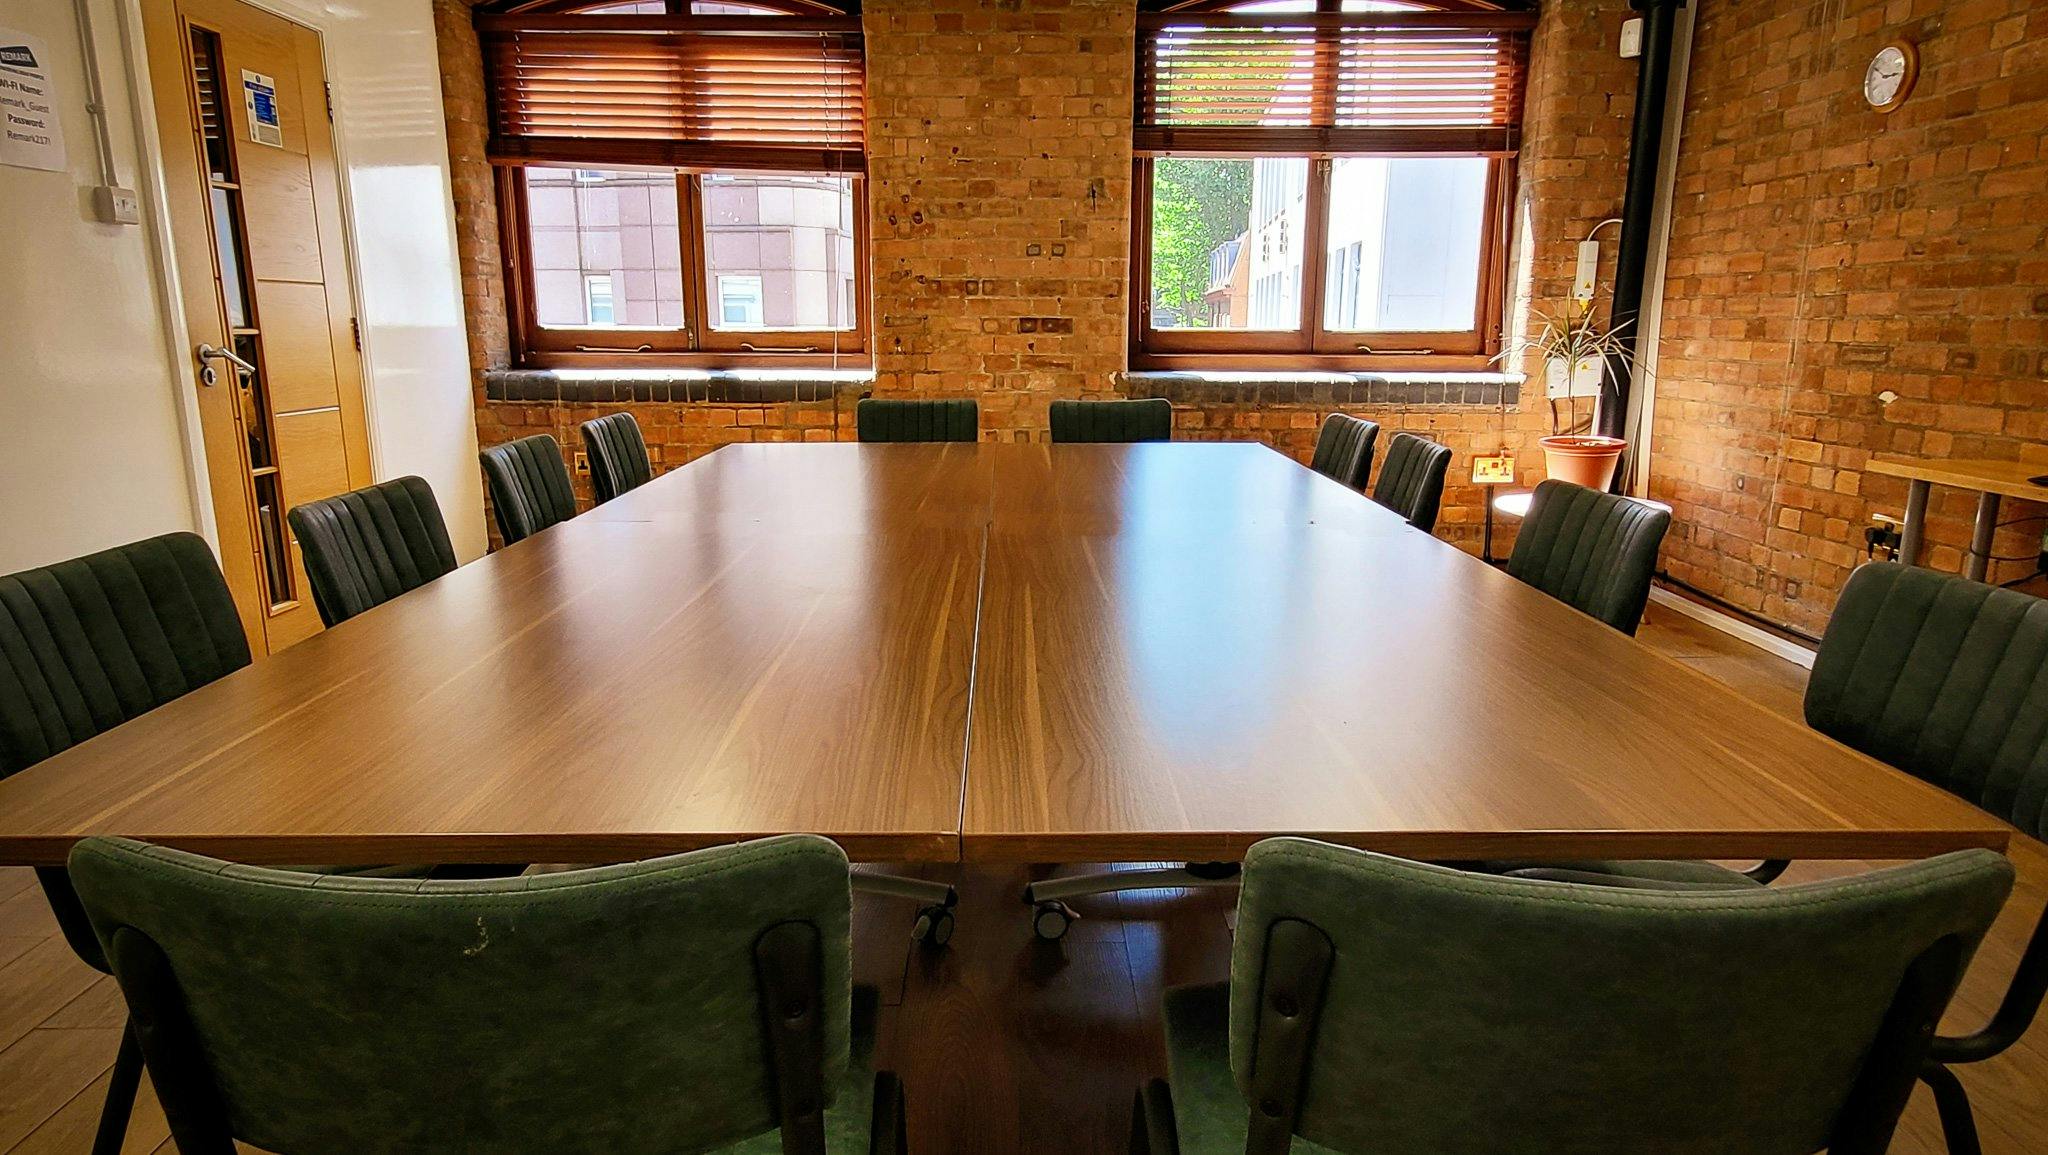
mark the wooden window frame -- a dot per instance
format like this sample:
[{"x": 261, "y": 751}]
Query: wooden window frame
[
  {"x": 1312, "y": 345},
  {"x": 696, "y": 343}
]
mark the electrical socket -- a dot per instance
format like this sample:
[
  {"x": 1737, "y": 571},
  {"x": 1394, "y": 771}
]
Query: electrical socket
[
  {"x": 1632, "y": 38},
  {"x": 116, "y": 206}
]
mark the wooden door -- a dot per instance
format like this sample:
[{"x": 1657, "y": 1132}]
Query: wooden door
[{"x": 242, "y": 109}]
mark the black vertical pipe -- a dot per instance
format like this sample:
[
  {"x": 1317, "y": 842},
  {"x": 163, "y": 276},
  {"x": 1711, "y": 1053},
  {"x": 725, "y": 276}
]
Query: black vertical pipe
[{"x": 1631, "y": 260}]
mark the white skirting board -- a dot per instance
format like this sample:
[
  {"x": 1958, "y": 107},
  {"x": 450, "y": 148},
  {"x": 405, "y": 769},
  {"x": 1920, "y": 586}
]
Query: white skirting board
[{"x": 1733, "y": 626}]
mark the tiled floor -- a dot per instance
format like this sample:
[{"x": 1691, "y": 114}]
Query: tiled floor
[{"x": 1006, "y": 1044}]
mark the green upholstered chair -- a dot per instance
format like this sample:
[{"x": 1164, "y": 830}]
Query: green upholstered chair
[
  {"x": 618, "y": 455},
  {"x": 1344, "y": 449},
  {"x": 1392, "y": 1008},
  {"x": 365, "y": 547},
  {"x": 1946, "y": 679},
  {"x": 1148, "y": 419},
  {"x": 530, "y": 487},
  {"x": 695, "y": 1003},
  {"x": 1593, "y": 551},
  {"x": 1412, "y": 480},
  {"x": 85, "y": 645},
  {"x": 889, "y": 419}
]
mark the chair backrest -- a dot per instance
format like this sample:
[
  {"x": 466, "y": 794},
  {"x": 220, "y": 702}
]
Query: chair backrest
[
  {"x": 1412, "y": 480},
  {"x": 888, "y": 419},
  {"x": 618, "y": 455},
  {"x": 365, "y": 547},
  {"x": 1593, "y": 551},
  {"x": 1945, "y": 678},
  {"x": 667, "y": 1005},
  {"x": 89, "y": 643},
  {"x": 1146, "y": 419},
  {"x": 1344, "y": 449},
  {"x": 1396, "y": 1008},
  {"x": 530, "y": 487}
]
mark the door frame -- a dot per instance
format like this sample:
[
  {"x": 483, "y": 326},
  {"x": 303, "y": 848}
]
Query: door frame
[{"x": 170, "y": 297}]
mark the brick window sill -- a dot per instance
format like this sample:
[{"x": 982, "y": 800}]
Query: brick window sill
[
  {"x": 1189, "y": 386},
  {"x": 714, "y": 386}
]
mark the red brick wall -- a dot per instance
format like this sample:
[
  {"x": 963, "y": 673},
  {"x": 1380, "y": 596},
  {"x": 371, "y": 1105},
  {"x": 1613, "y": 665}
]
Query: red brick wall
[
  {"x": 1823, "y": 255},
  {"x": 1000, "y": 205},
  {"x": 999, "y": 175}
]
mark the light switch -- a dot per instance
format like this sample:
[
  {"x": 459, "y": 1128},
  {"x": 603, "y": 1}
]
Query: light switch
[{"x": 116, "y": 206}]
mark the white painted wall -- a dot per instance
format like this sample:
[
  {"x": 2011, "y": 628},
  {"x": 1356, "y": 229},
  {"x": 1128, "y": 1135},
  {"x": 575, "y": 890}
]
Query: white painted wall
[
  {"x": 390, "y": 136},
  {"x": 94, "y": 446}
]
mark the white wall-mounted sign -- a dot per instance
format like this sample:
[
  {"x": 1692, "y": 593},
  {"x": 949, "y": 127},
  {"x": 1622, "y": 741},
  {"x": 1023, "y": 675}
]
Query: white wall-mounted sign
[
  {"x": 259, "y": 96},
  {"x": 31, "y": 131}
]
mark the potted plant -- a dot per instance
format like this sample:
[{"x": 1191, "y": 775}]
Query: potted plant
[{"x": 1576, "y": 352}]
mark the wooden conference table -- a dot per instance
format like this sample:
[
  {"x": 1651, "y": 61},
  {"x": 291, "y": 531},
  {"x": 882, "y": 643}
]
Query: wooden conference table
[{"x": 982, "y": 652}]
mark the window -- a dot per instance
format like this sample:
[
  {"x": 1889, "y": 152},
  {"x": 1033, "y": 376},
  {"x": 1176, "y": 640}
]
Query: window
[
  {"x": 739, "y": 302},
  {"x": 597, "y": 299},
  {"x": 1323, "y": 182},
  {"x": 680, "y": 181}
]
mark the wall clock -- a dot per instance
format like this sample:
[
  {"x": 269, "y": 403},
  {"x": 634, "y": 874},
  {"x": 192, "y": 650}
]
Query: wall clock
[{"x": 1889, "y": 79}]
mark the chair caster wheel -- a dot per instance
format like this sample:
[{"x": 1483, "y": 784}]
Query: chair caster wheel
[
  {"x": 1051, "y": 920},
  {"x": 934, "y": 926}
]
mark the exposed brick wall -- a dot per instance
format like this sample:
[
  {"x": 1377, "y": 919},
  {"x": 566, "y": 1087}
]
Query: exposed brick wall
[
  {"x": 999, "y": 173},
  {"x": 1000, "y": 217},
  {"x": 471, "y": 183},
  {"x": 677, "y": 432},
  {"x": 1823, "y": 255}
]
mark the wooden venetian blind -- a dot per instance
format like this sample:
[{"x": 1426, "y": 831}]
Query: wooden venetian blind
[
  {"x": 731, "y": 92},
  {"x": 1331, "y": 83}
]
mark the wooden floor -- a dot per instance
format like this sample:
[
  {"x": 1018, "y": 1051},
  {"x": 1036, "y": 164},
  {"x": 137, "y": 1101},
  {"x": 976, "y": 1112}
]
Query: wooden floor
[{"x": 1005, "y": 1044}]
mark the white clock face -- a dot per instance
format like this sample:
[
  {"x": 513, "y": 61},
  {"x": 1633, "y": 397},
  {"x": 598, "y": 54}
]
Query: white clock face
[{"x": 1885, "y": 76}]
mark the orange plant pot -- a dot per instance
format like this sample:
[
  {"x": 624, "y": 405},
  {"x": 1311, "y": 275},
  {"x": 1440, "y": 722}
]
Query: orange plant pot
[{"x": 1582, "y": 460}]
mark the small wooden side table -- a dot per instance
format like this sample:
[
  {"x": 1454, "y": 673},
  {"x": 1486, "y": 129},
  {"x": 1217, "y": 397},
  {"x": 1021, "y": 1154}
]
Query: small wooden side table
[{"x": 1990, "y": 479}]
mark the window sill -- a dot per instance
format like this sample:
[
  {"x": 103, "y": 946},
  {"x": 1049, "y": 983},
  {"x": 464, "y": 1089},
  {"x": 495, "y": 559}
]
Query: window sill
[
  {"x": 1246, "y": 387},
  {"x": 713, "y": 386}
]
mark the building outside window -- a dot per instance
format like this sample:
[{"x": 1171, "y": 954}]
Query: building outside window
[{"x": 597, "y": 299}]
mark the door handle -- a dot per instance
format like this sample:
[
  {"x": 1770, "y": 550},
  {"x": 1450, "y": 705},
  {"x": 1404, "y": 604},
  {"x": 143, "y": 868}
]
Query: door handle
[{"x": 209, "y": 353}]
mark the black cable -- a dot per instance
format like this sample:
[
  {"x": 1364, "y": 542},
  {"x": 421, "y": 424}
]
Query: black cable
[{"x": 1738, "y": 611}]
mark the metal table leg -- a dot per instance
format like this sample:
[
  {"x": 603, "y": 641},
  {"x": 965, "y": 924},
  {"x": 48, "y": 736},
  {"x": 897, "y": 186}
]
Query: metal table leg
[
  {"x": 1916, "y": 522},
  {"x": 1979, "y": 561}
]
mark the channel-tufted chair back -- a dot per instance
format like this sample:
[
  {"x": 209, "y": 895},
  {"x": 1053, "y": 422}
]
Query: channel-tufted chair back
[
  {"x": 530, "y": 488},
  {"x": 1412, "y": 480},
  {"x": 1147, "y": 419},
  {"x": 1596, "y": 552},
  {"x": 1945, "y": 678},
  {"x": 890, "y": 419},
  {"x": 1344, "y": 449},
  {"x": 89, "y": 643},
  {"x": 618, "y": 455},
  {"x": 365, "y": 547}
]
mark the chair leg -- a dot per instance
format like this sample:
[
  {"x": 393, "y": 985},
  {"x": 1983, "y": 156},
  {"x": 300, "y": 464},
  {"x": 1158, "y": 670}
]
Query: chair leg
[
  {"x": 121, "y": 1088},
  {"x": 1152, "y": 1129},
  {"x": 1958, "y": 1122},
  {"x": 887, "y": 1132}
]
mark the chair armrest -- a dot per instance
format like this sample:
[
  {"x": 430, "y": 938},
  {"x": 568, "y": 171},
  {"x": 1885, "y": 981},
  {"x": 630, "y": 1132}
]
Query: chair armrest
[
  {"x": 1768, "y": 870},
  {"x": 2015, "y": 1012}
]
